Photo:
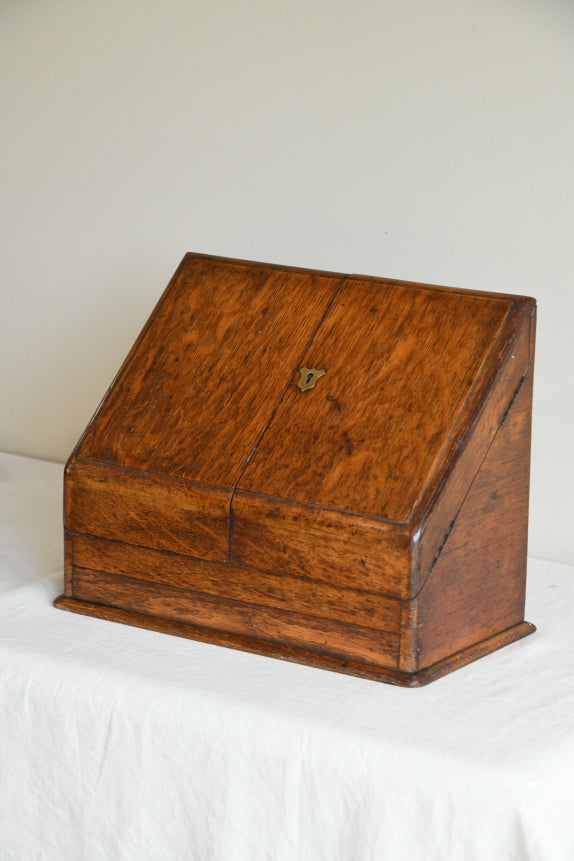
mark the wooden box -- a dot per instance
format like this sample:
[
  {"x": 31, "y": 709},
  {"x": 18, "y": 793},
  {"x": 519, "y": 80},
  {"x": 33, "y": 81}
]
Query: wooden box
[{"x": 324, "y": 468}]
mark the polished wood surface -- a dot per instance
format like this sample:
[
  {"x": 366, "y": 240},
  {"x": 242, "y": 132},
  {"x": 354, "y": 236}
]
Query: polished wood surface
[
  {"x": 201, "y": 381},
  {"x": 145, "y": 509},
  {"x": 477, "y": 585},
  {"x": 260, "y": 589},
  {"x": 349, "y": 547},
  {"x": 441, "y": 501},
  {"x": 378, "y": 519},
  {"x": 191, "y": 401},
  {"x": 400, "y": 365},
  {"x": 332, "y": 546},
  {"x": 320, "y": 660},
  {"x": 342, "y": 639}
]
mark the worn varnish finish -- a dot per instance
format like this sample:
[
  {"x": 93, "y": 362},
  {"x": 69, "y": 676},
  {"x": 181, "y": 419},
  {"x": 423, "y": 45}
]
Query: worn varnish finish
[
  {"x": 201, "y": 381},
  {"x": 232, "y": 581},
  {"x": 409, "y": 359},
  {"x": 375, "y": 524}
]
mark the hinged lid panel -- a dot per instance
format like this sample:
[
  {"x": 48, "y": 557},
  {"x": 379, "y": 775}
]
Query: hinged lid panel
[
  {"x": 204, "y": 375},
  {"x": 400, "y": 363},
  {"x": 200, "y": 384}
]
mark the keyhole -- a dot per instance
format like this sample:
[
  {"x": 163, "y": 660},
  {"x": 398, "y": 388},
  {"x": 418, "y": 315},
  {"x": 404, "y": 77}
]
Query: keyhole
[{"x": 309, "y": 377}]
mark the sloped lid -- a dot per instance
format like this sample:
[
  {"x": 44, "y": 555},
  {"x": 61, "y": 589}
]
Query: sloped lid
[
  {"x": 400, "y": 362},
  {"x": 206, "y": 411},
  {"x": 160, "y": 459},
  {"x": 358, "y": 480},
  {"x": 211, "y": 364}
]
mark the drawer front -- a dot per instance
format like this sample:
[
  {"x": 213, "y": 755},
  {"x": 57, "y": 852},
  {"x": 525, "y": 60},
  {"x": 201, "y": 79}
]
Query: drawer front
[{"x": 267, "y": 607}]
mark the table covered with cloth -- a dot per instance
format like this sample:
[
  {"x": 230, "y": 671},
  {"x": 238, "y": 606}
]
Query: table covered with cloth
[{"x": 122, "y": 743}]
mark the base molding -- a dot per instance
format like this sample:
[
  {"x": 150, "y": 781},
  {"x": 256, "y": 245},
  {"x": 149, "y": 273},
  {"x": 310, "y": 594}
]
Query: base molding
[{"x": 300, "y": 656}]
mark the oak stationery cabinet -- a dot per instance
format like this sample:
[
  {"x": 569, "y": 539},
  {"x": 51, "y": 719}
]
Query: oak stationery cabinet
[{"x": 325, "y": 468}]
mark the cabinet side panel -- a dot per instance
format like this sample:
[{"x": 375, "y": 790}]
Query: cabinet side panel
[
  {"x": 443, "y": 499},
  {"x": 68, "y": 563},
  {"x": 477, "y": 585}
]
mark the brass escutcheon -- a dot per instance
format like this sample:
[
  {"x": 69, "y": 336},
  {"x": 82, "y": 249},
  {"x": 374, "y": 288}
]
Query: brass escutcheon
[{"x": 309, "y": 377}]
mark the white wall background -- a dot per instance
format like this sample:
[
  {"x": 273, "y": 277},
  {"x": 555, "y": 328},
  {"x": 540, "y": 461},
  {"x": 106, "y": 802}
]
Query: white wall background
[{"x": 429, "y": 140}]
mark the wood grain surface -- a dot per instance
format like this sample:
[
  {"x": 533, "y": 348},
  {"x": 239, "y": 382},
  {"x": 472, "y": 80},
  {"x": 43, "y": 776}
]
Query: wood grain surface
[
  {"x": 281, "y": 591},
  {"x": 201, "y": 381},
  {"x": 346, "y": 639},
  {"x": 324, "y": 545},
  {"x": 477, "y": 585},
  {"x": 438, "y": 507},
  {"x": 319, "y": 660},
  {"x": 400, "y": 365},
  {"x": 146, "y": 509},
  {"x": 374, "y": 524}
]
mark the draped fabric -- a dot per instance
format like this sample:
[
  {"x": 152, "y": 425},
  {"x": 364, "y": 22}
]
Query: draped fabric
[{"x": 119, "y": 743}]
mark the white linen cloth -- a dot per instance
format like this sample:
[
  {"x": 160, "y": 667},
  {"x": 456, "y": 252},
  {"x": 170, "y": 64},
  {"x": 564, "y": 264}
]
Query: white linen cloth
[{"x": 119, "y": 743}]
